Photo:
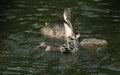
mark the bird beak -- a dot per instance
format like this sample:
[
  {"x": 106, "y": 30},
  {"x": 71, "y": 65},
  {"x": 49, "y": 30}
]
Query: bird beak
[{"x": 67, "y": 13}]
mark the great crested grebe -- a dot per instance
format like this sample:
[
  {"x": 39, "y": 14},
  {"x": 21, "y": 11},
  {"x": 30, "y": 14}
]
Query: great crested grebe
[
  {"x": 73, "y": 40},
  {"x": 57, "y": 30}
]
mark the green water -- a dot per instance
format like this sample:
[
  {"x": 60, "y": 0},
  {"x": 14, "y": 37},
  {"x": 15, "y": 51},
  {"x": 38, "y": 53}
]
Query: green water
[{"x": 20, "y": 21}]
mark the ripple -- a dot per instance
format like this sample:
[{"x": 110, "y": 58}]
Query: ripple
[
  {"x": 42, "y": 9},
  {"x": 30, "y": 18},
  {"x": 45, "y": 6},
  {"x": 87, "y": 31},
  {"x": 21, "y": 1},
  {"x": 103, "y": 3},
  {"x": 21, "y": 19},
  {"x": 32, "y": 70},
  {"x": 96, "y": 0},
  {"x": 28, "y": 15},
  {"x": 38, "y": 14},
  {"x": 11, "y": 73},
  {"x": 23, "y": 23},
  {"x": 116, "y": 20},
  {"x": 54, "y": 14},
  {"x": 59, "y": 68},
  {"x": 31, "y": 32},
  {"x": 21, "y": 5},
  {"x": 14, "y": 68},
  {"x": 36, "y": 25},
  {"x": 23, "y": 62},
  {"x": 116, "y": 16},
  {"x": 27, "y": 69},
  {"x": 3, "y": 20},
  {"x": 15, "y": 37},
  {"x": 11, "y": 17},
  {"x": 42, "y": 65},
  {"x": 90, "y": 14},
  {"x": 88, "y": 8},
  {"x": 80, "y": 3},
  {"x": 4, "y": 14},
  {"x": 113, "y": 68},
  {"x": 15, "y": 10}
]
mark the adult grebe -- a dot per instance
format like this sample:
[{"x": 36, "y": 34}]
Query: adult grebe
[{"x": 57, "y": 30}]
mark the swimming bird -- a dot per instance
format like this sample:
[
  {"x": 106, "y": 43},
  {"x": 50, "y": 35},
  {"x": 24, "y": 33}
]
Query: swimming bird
[
  {"x": 94, "y": 44},
  {"x": 54, "y": 47},
  {"x": 76, "y": 40},
  {"x": 59, "y": 31},
  {"x": 87, "y": 43},
  {"x": 68, "y": 33}
]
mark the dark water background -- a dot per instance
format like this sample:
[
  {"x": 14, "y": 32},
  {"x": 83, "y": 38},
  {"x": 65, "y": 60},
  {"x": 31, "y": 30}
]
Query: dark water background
[{"x": 20, "y": 21}]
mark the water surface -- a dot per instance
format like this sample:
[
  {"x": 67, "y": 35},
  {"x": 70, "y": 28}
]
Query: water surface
[{"x": 20, "y": 21}]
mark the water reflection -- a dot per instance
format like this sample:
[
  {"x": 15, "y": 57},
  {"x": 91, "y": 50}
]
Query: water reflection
[{"x": 20, "y": 21}]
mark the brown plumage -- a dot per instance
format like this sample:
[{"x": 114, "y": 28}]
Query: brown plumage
[
  {"x": 55, "y": 30},
  {"x": 59, "y": 31}
]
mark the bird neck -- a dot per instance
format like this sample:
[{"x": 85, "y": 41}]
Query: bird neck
[{"x": 68, "y": 30}]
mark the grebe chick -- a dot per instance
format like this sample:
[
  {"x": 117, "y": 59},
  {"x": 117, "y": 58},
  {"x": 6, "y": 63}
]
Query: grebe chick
[{"x": 53, "y": 47}]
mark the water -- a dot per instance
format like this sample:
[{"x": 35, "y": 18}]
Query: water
[{"x": 20, "y": 21}]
